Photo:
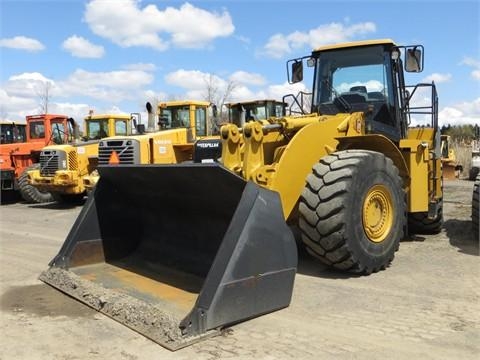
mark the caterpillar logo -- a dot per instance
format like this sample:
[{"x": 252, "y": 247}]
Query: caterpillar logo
[{"x": 208, "y": 145}]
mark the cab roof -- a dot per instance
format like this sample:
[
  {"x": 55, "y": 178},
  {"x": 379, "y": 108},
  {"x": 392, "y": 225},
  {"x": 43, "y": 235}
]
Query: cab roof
[
  {"x": 108, "y": 116},
  {"x": 10, "y": 122},
  {"x": 183, "y": 103},
  {"x": 355, "y": 44}
]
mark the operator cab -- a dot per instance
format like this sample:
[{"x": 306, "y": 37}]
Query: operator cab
[
  {"x": 195, "y": 116},
  {"x": 12, "y": 133},
  {"x": 366, "y": 79},
  {"x": 102, "y": 126},
  {"x": 242, "y": 112}
]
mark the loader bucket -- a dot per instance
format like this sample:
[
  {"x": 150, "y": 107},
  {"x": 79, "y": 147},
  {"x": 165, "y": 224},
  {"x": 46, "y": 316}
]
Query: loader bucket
[{"x": 177, "y": 252}]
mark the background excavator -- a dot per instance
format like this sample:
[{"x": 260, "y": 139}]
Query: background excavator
[{"x": 178, "y": 252}]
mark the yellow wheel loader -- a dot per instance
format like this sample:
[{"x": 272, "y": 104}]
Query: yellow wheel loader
[
  {"x": 63, "y": 167},
  {"x": 180, "y": 125},
  {"x": 173, "y": 131},
  {"x": 241, "y": 112},
  {"x": 178, "y": 252},
  {"x": 450, "y": 165}
]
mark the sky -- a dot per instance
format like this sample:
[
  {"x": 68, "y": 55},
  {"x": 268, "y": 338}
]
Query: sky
[{"x": 113, "y": 56}]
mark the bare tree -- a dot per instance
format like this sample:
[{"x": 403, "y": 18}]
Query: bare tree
[
  {"x": 217, "y": 95},
  {"x": 44, "y": 95}
]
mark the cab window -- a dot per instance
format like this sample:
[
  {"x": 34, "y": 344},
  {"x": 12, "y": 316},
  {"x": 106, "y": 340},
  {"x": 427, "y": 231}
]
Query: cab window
[
  {"x": 12, "y": 134},
  {"x": 37, "y": 130},
  {"x": 200, "y": 122},
  {"x": 120, "y": 127},
  {"x": 97, "y": 129},
  {"x": 174, "y": 117},
  {"x": 58, "y": 132}
]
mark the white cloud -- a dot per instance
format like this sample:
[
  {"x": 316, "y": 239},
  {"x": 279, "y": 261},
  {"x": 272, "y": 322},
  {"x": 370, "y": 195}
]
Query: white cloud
[
  {"x": 279, "y": 45},
  {"x": 476, "y": 67},
  {"x": 438, "y": 78},
  {"x": 195, "y": 82},
  {"x": 471, "y": 62},
  {"x": 141, "y": 67},
  {"x": 113, "y": 86},
  {"x": 243, "y": 77},
  {"x": 20, "y": 94},
  {"x": 15, "y": 107},
  {"x": 28, "y": 84},
  {"x": 22, "y": 43},
  {"x": 81, "y": 47},
  {"x": 127, "y": 24},
  {"x": 461, "y": 114},
  {"x": 191, "y": 79},
  {"x": 76, "y": 111}
]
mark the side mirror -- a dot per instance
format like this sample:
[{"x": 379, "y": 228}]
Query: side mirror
[
  {"x": 297, "y": 71},
  {"x": 413, "y": 59}
]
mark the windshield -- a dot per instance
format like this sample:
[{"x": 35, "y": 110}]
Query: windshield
[
  {"x": 349, "y": 80},
  {"x": 97, "y": 129},
  {"x": 10, "y": 133},
  {"x": 59, "y": 133},
  {"x": 174, "y": 117},
  {"x": 241, "y": 113}
]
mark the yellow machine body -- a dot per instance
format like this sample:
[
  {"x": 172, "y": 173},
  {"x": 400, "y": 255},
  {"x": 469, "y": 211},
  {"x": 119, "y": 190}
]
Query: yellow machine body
[
  {"x": 209, "y": 239},
  {"x": 64, "y": 167}
]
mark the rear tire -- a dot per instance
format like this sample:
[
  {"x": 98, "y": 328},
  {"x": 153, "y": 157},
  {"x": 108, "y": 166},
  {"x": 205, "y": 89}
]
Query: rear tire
[
  {"x": 353, "y": 211},
  {"x": 475, "y": 209},
  {"x": 30, "y": 193},
  {"x": 419, "y": 223},
  {"x": 473, "y": 173}
]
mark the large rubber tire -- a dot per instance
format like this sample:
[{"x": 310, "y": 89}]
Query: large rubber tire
[
  {"x": 419, "y": 223},
  {"x": 30, "y": 193},
  {"x": 353, "y": 211},
  {"x": 473, "y": 173},
  {"x": 476, "y": 209}
]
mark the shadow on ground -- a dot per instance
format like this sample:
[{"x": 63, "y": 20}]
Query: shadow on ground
[
  {"x": 309, "y": 265},
  {"x": 57, "y": 205},
  {"x": 42, "y": 300},
  {"x": 460, "y": 235}
]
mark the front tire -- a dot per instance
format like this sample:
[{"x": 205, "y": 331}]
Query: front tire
[
  {"x": 352, "y": 211},
  {"x": 30, "y": 193}
]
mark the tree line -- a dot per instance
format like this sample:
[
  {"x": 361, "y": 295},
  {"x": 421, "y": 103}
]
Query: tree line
[{"x": 461, "y": 133}]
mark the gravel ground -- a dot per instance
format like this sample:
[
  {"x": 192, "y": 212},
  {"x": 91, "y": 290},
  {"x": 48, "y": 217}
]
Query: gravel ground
[{"x": 425, "y": 305}]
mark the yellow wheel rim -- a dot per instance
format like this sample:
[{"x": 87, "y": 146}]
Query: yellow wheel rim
[{"x": 377, "y": 213}]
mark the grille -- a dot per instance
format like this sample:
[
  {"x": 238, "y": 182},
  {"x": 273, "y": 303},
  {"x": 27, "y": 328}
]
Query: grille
[
  {"x": 126, "y": 153},
  {"x": 72, "y": 160},
  {"x": 49, "y": 161}
]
